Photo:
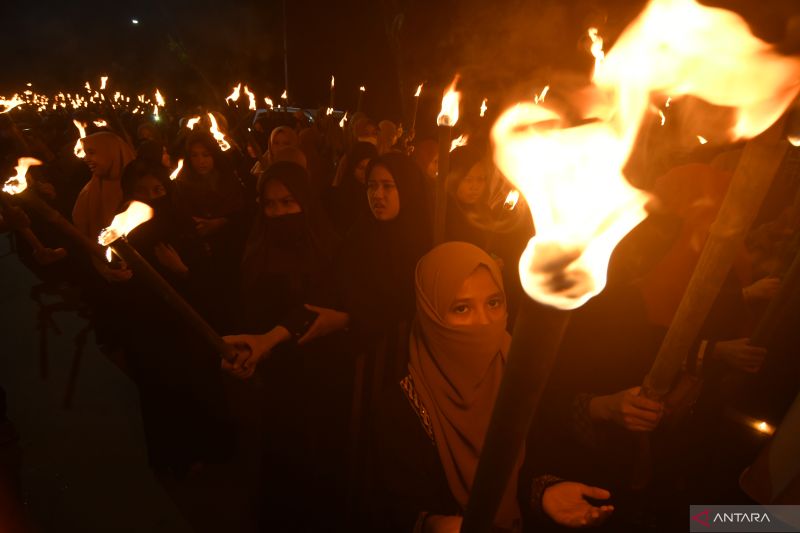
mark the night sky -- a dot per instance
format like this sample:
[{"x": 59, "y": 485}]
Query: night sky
[{"x": 197, "y": 50}]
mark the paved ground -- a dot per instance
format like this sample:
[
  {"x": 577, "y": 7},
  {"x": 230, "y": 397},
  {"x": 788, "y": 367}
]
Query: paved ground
[{"x": 83, "y": 469}]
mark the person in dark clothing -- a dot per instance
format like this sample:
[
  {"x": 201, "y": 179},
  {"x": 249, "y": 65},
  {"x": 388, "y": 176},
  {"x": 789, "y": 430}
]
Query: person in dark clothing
[
  {"x": 431, "y": 425},
  {"x": 469, "y": 217},
  {"x": 347, "y": 199},
  {"x": 179, "y": 378},
  {"x": 306, "y": 388}
]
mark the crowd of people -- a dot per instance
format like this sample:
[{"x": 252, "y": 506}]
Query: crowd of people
[{"x": 370, "y": 355}]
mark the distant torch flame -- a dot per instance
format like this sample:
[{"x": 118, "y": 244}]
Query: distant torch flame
[
  {"x": 596, "y": 49},
  {"x": 17, "y": 184},
  {"x": 8, "y": 105},
  {"x": 103, "y": 81},
  {"x": 160, "y": 99},
  {"x": 539, "y": 98},
  {"x": 285, "y": 95},
  {"x": 702, "y": 139},
  {"x": 224, "y": 145},
  {"x": 448, "y": 116},
  {"x": 568, "y": 165},
  {"x": 329, "y": 111},
  {"x": 461, "y": 140},
  {"x": 100, "y": 123},
  {"x": 177, "y": 170},
  {"x": 251, "y": 99},
  {"x": 419, "y": 91},
  {"x": 483, "y": 107},
  {"x": 362, "y": 89},
  {"x": 137, "y": 213},
  {"x": 268, "y": 101},
  {"x": 192, "y": 122},
  {"x": 78, "y": 150},
  {"x": 333, "y": 82},
  {"x": 234, "y": 96},
  {"x": 511, "y": 200},
  {"x": 344, "y": 119}
]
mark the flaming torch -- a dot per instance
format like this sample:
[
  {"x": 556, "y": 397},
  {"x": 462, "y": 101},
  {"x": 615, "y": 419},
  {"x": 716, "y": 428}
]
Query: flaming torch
[
  {"x": 78, "y": 150},
  {"x": 333, "y": 92},
  {"x": 568, "y": 166},
  {"x": 447, "y": 118},
  {"x": 361, "y": 91},
  {"x": 483, "y": 108},
  {"x": 416, "y": 107},
  {"x": 17, "y": 186},
  {"x": 114, "y": 237},
  {"x": 8, "y": 105},
  {"x": 177, "y": 170},
  {"x": 234, "y": 96}
]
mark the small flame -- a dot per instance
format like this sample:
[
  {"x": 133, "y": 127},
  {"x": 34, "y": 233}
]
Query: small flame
[
  {"x": 103, "y": 80},
  {"x": 539, "y": 98},
  {"x": 224, "y": 145},
  {"x": 763, "y": 427},
  {"x": 329, "y": 111},
  {"x": 511, "y": 200},
  {"x": 251, "y": 99},
  {"x": 78, "y": 150},
  {"x": 663, "y": 117},
  {"x": 234, "y": 96},
  {"x": 100, "y": 123},
  {"x": 155, "y": 111},
  {"x": 669, "y": 101},
  {"x": 362, "y": 89},
  {"x": 483, "y": 107},
  {"x": 448, "y": 116},
  {"x": 177, "y": 170},
  {"x": 461, "y": 140},
  {"x": 332, "y": 82},
  {"x": 702, "y": 139},
  {"x": 88, "y": 87},
  {"x": 8, "y": 105},
  {"x": 268, "y": 101},
  {"x": 109, "y": 258},
  {"x": 344, "y": 119},
  {"x": 17, "y": 184},
  {"x": 137, "y": 213},
  {"x": 419, "y": 91},
  {"x": 597, "y": 49},
  {"x": 160, "y": 99},
  {"x": 192, "y": 122},
  {"x": 285, "y": 95},
  {"x": 794, "y": 140}
]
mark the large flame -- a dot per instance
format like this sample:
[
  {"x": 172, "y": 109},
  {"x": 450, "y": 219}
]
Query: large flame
[
  {"x": 17, "y": 184},
  {"x": 224, "y": 145},
  {"x": 569, "y": 166},
  {"x": 78, "y": 150},
  {"x": 137, "y": 213},
  {"x": 448, "y": 116}
]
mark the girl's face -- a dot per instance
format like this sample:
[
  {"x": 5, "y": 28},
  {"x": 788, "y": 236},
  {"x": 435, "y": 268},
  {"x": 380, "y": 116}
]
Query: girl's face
[
  {"x": 201, "y": 159},
  {"x": 98, "y": 163},
  {"x": 278, "y": 201},
  {"x": 148, "y": 188},
  {"x": 471, "y": 188},
  {"x": 382, "y": 194},
  {"x": 478, "y": 302},
  {"x": 360, "y": 172},
  {"x": 278, "y": 141}
]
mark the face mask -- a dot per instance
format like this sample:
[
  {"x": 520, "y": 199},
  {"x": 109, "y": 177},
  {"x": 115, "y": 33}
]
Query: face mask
[{"x": 286, "y": 231}]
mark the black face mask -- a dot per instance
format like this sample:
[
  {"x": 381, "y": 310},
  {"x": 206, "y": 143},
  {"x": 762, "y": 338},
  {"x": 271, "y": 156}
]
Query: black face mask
[{"x": 286, "y": 231}]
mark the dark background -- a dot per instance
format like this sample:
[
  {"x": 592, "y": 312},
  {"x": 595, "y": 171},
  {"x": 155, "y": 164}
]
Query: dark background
[{"x": 196, "y": 50}]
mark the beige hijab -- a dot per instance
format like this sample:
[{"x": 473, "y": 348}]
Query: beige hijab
[
  {"x": 99, "y": 199},
  {"x": 457, "y": 370}
]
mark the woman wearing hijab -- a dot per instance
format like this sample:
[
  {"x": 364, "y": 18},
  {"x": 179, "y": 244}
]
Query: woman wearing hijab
[
  {"x": 347, "y": 199},
  {"x": 183, "y": 408},
  {"x": 286, "y": 265},
  {"x": 432, "y": 424},
  {"x": 106, "y": 156},
  {"x": 469, "y": 217}
]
